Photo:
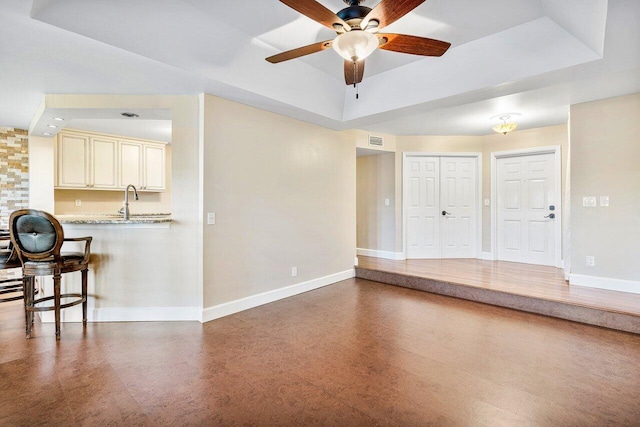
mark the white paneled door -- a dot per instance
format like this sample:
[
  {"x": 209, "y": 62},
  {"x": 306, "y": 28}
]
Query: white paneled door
[
  {"x": 526, "y": 206},
  {"x": 441, "y": 203}
]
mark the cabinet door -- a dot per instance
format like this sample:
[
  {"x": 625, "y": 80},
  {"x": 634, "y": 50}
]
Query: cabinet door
[
  {"x": 73, "y": 161},
  {"x": 103, "y": 165},
  {"x": 130, "y": 164},
  {"x": 154, "y": 167}
]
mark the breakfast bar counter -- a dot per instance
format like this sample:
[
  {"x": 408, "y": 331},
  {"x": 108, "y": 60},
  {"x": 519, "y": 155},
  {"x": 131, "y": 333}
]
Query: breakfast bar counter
[{"x": 143, "y": 218}]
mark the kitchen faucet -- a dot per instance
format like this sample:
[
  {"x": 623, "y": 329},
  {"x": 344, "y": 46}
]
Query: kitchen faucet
[{"x": 125, "y": 209}]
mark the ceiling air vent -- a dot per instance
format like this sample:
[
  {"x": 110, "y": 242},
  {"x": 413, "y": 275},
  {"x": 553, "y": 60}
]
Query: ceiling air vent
[{"x": 376, "y": 141}]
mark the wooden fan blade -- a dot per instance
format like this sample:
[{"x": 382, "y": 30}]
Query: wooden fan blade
[
  {"x": 353, "y": 71},
  {"x": 389, "y": 11},
  {"x": 314, "y": 10},
  {"x": 301, "y": 51},
  {"x": 412, "y": 44}
]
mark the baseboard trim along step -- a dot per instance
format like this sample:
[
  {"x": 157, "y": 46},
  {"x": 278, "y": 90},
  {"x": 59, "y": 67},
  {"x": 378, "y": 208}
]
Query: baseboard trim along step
[{"x": 562, "y": 310}]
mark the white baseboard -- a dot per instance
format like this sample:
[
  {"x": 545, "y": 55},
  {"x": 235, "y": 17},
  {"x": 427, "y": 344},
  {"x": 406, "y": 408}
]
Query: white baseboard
[
  {"x": 126, "y": 314},
  {"x": 144, "y": 314},
  {"x": 631, "y": 286},
  {"x": 231, "y": 307},
  {"x": 397, "y": 256},
  {"x": 487, "y": 256}
]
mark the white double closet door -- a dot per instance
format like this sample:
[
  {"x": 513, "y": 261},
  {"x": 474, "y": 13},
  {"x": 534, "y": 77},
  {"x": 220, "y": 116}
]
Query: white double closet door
[{"x": 440, "y": 207}]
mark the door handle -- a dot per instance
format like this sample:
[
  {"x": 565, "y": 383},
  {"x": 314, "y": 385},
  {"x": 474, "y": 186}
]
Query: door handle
[
  {"x": 445, "y": 213},
  {"x": 551, "y": 215}
]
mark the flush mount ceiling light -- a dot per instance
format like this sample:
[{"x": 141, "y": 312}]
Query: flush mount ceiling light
[
  {"x": 59, "y": 119},
  {"x": 130, "y": 115},
  {"x": 52, "y": 126},
  {"x": 357, "y": 28},
  {"x": 505, "y": 127},
  {"x": 46, "y": 133}
]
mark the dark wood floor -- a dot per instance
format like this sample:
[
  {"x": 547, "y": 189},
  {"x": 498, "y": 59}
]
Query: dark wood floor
[{"x": 354, "y": 353}]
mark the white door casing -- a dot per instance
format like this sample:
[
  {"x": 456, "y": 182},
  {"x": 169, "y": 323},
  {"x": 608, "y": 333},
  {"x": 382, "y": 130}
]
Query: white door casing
[
  {"x": 526, "y": 186},
  {"x": 437, "y": 182}
]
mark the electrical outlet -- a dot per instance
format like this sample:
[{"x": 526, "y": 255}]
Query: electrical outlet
[
  {"x": 211, "y": 218},
  {"x": 591, "y": 261},
  {"x": 294, "y": 271},
  {"x": 78, "y": 202},
  {"x": 386, "y": 202},
  {"x": 487, "y": 202}
]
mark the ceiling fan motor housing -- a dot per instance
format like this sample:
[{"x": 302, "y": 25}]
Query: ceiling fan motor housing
[{"x": 355, "y": 12}]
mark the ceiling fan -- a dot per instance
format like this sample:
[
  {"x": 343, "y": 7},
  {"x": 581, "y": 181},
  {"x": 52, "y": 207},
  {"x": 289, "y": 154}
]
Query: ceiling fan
[{"x": 357, "y": 28}]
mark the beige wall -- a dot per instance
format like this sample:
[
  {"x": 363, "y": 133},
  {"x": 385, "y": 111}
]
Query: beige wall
[
  {"x": 361, "y": 138},
  {"x": 110, "y": 201},
  {"x": 540, "y": 137},
  {"x": 429, "y": 144},
  {"x": 375, "y": 182},
  {"x": 283, "y": 192},
  {"x": 138, "y": 268},
  {"x": 605, "y": 161},
  {"x": 548, "y": 136}
]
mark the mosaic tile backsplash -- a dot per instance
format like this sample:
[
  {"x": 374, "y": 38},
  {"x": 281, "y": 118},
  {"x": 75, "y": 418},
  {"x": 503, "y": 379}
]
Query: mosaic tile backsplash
[{"x": 14, "y": 172}]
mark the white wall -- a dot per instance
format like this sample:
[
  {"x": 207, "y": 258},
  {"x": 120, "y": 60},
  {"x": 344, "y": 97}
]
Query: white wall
[
  {"x": 283, "y": 192},
  {"x": 41, "y": 173}
]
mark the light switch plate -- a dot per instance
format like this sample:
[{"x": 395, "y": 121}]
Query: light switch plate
[
  {"x": 589, "y": 201},
  {"x": 386, "y": 202},
  {"x": 487, "y": 202},
  {"x": 604, "y": 200},
  {"x": 211, "y": 218}
]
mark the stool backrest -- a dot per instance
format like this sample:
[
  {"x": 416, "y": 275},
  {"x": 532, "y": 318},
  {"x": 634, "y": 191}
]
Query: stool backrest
[{"x": 36, "y": 235}]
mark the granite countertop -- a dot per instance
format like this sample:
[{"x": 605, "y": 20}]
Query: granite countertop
[{"x": 134, "y": 218}]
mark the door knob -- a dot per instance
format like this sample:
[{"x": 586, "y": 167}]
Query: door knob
[
  {"x": 551, "y": 215},
  {"x": 444, "y": 213}
]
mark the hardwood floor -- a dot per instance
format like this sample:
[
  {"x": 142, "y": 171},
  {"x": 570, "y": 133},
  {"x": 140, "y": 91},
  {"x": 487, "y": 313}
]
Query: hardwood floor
[
  {"x": 353, "y": 353},
  {"x": 541, "y": 282}
]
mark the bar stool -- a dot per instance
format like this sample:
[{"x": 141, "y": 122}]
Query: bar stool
[
  {"x": 10, "y": 288},
  {"x": 37, "y": 238}
]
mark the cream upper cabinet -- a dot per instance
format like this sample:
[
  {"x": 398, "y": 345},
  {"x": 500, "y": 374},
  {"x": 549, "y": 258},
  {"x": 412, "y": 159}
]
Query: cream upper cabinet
[
  {"x": 73, "y": 161},
  {"x": 143, "y": 165},
  {"x": 130, "y": 164},
  {"x": 154, "y": 167},
  {"x": 103, "y": 164},
  {"x": 92, "y": 161}
]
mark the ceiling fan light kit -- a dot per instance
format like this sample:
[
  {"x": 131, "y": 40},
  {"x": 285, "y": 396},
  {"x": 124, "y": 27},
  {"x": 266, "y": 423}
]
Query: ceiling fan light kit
[
  {"x": 356, "y": 27},
  {"x": 355, "y": 45}
]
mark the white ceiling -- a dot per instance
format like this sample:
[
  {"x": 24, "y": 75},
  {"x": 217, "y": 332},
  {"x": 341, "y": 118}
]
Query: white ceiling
[{"x": 534, "y": 57}]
